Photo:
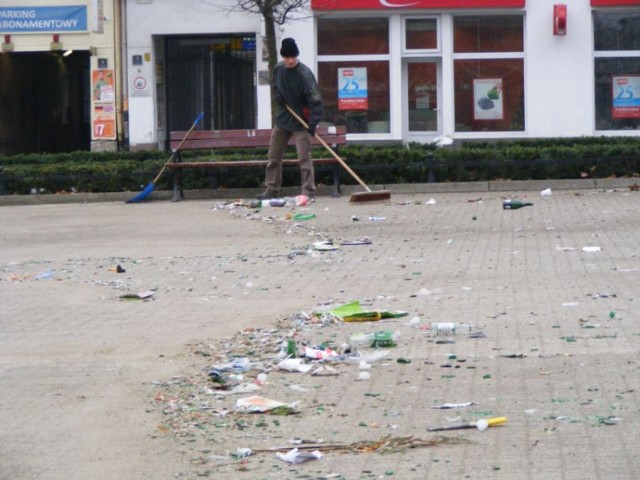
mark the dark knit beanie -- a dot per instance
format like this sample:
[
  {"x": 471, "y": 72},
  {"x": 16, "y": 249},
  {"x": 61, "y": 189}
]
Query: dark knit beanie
[{"x": 289, "y": 48}]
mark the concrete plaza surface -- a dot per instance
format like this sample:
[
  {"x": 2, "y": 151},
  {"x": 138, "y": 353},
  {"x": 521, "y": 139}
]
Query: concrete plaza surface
[{"x": 85, "y": 375}]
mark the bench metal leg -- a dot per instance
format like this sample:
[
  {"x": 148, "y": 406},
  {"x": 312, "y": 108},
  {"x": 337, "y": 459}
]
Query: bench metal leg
[
  {"x": 430, "y": 163},
  {"x": 3, "y": 182},
  {"x": 336, "y": 182},
  {"x": 213, "y": 179},
  {"x": 178, "y": 193}
]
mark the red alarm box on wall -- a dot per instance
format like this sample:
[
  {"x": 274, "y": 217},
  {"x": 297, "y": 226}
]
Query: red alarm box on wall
[{"x": 560, "y": 19}]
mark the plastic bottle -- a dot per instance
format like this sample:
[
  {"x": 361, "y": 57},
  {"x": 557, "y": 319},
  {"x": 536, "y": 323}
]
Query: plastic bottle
[
  {"x": 301, "y": 217},
  {"x": 274, "y": 202},
  {"x": 513, "y": 204},
  {"x": 384, "y": 339},
  {"x": 449, "y": 329},
  {"x": 381, "y": 339},
  {"x": 361, "y": 340},
  {"x": 291, "y": 347},
  {"x": 301, "y": 200}
]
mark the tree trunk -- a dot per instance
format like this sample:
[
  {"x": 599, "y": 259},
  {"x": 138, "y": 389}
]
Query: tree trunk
[{"x": 272, "y": 52}]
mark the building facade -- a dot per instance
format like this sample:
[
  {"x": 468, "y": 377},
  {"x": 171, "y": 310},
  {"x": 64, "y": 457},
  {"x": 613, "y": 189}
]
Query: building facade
[
  {"x": 390, "y": 70},
  {"x": 60, "y": 88}
]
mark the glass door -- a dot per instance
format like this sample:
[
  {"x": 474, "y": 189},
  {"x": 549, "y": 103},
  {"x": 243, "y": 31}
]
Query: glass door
[{"x": 422, "y": 96}]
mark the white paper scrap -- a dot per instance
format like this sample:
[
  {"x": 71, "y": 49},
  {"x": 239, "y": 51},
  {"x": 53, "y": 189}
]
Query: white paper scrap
[{"x": 295, "y": 456}]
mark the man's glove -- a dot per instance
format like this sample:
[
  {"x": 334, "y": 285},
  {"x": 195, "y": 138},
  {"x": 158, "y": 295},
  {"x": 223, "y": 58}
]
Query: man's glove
[{"x": 311, "y": 130}]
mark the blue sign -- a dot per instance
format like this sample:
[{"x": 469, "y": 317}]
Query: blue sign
[
  {"x": 71, "y": 18},
  {"x": 353, "y": 92}
]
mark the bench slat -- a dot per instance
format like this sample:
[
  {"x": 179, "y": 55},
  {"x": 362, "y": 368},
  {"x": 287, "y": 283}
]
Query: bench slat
[
  {"x": 248, "y": 133},
  {"x": 245, "y": 163},
  {"x": 211, "y": 139}
]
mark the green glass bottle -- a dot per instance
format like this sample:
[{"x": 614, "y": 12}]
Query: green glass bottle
[
  {"x": 513, "y": 204},
  {"x": 291, "y": 348}
]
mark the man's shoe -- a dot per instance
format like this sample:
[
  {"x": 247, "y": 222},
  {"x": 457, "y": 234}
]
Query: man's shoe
[
  {"x": 311, "y": 198},
  {"x": 267, "y": 195}
]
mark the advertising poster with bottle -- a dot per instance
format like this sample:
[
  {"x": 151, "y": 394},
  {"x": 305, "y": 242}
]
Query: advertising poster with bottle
[
  {"x": 104, "y": 106},
  {"x": 625, "y": 96},
  {"x": 353, "y": 93},
  {"x": 487, "y": 99}
]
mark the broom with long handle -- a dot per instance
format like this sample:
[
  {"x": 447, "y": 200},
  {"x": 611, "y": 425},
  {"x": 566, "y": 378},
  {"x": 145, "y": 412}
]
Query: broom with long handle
[
  {"x": 369, "y": 195},
  {"x": 152, "y": 185}
]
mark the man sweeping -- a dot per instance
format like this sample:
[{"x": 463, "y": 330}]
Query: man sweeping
[{"x": 293, "y": 85}]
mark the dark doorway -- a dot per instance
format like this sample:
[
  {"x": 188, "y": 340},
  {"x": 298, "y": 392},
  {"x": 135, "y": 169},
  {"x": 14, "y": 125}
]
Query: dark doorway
[
  {"x": 44, "y": 102},
  {"x": 214, "y": 75}
]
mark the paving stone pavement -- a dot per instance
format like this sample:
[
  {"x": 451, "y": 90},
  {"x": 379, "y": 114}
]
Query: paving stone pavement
[{"x": 554, "y": 287}]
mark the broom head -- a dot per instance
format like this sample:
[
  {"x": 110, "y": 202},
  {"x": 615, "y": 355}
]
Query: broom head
[{"x": 360, "y": 197}]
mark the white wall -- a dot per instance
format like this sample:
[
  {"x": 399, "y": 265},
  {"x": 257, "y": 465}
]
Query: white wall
[
  {"x": 559, "y": 90},
  {"x": 558, "y": 72},
  {"x": 148, "y": 18}
]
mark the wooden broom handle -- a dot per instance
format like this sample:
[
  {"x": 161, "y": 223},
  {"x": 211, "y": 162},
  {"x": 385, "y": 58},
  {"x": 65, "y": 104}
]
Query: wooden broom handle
[
  {"x": 184, "y": 139},
  {"x": 335, "y": 155}
]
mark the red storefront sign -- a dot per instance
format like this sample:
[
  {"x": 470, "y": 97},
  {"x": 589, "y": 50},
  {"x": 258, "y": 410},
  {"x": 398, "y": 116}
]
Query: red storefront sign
[
  {"x": 422, "y": 4},
  {"x": 614, "y": 3}
]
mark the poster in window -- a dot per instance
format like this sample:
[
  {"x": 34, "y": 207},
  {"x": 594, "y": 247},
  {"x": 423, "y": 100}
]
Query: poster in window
[
  {"x": 487, "y": 99},
  {"x": 353, "y": 93},
  {"x": 625, "y": 96}
]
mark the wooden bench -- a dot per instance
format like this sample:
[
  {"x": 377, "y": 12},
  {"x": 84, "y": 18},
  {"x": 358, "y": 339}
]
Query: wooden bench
[{"x": 216, "y": 139}]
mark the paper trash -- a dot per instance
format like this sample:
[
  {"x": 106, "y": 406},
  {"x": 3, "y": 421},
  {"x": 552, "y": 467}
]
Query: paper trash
[
  {"x": 324, "y": 370},
  {"x": 446, "y": 406},
  {"x": 294, "y": 365},
  {"x": 372, "y": 357},
  {"x": 296, "y": 456},
  {"x": 325, "y": 245},
  {"x": 317, "y": 354},
  {"x": 242, "y": 453},
  {"x": 257, "y": 404}
]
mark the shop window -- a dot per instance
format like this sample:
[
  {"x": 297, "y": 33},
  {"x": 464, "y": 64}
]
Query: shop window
[
  {"x": 496, "y": 33},
  {"x": 616, "y": 31},
  {"x": 617, "y": 71},
  {"x": 489, "y": 92},
  {"x": 356, "y": 94},
  {"x": 353, "y": 36},
  {"x": 421, "y": 34},
  {"x": 489, "y": 95}
]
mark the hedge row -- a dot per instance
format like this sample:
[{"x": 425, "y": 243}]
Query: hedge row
[{"x": 561, "y": 158}]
